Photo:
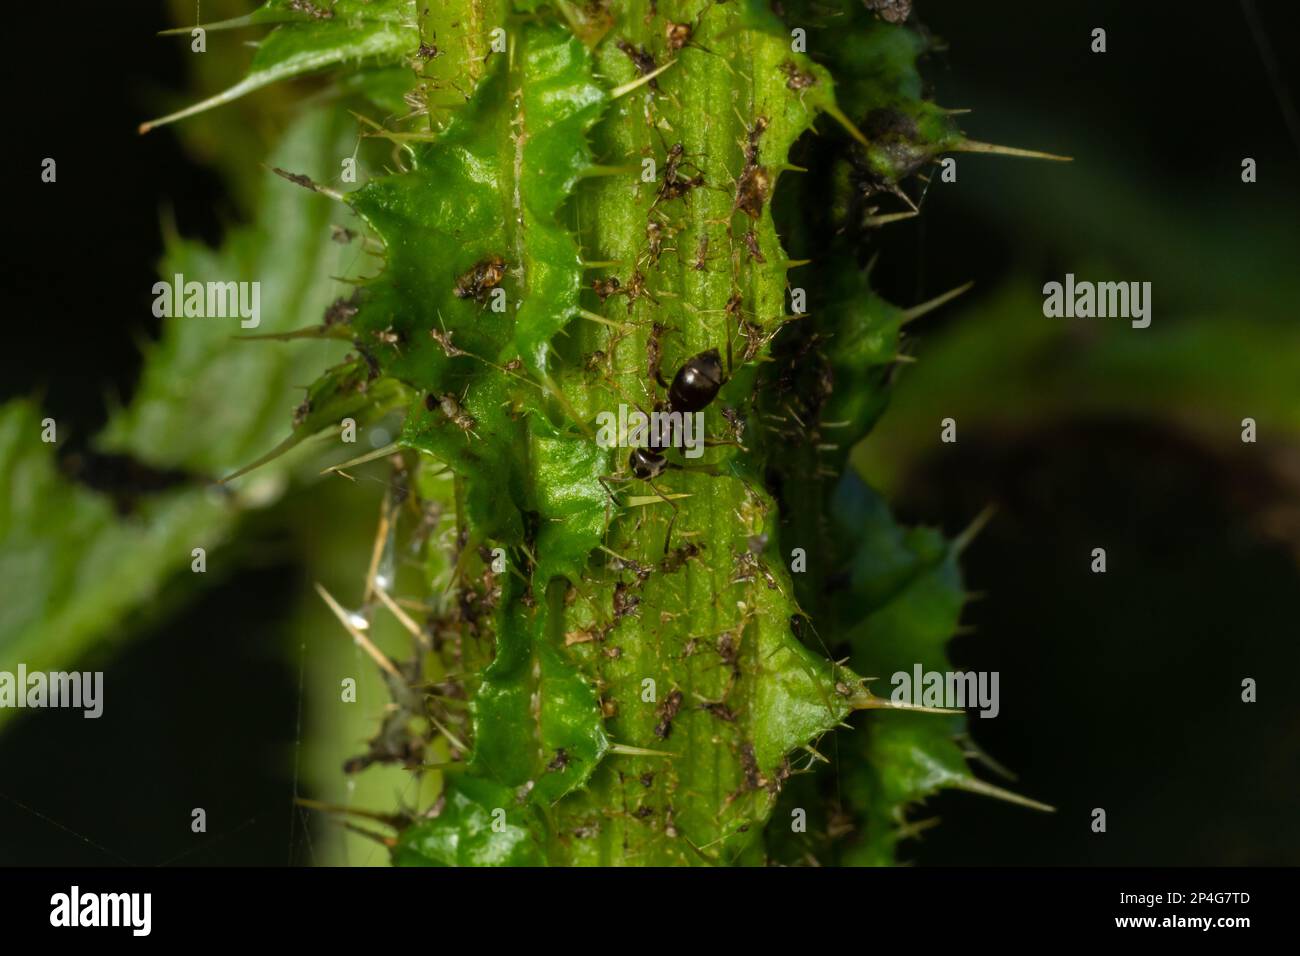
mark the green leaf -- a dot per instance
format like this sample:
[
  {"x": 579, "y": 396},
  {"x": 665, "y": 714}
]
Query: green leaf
[
  {"x": 358, "y": 32},
  {"x": 205, "y": 404},
  {"x": 481, "y": 824},
  {"x": 537, "y": 723}
]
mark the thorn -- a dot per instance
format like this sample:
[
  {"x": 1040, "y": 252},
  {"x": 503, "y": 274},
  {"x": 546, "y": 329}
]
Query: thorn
[
  {"x": 234, "y": 22},
  {"x": 364, "y": 642},
  {"x": 916, "y": 311},
  {"x": 974, "y": 751},
  {"x": 244, "y": 86},
  {"x": 451, "y": 738},
  {"x": 974, "y": 146},
  {"x": 270, "y": 456},
  {"x": 306, "y": 182},
  {"x": 972, "y": 785},
  {"x": 834, "y": 112},
  {"x": 310, "y": 332},
  {"x": 387, "y": 819},
  {"x": 383, "y": 532},
  {"x": 887, "y": 218},
  {"x": 406, "y": 620},
  {"x": 636, "y": 501},
  {"x": 912, "y": 831},
  {"x": 596, "y": 169},
  {"x": 387, "y": 841},
  {"x": 630, "y": 751},
  {"x": 817, "y": 755},
  {"x": 792, "y": 264},
  {"x": 973, "y": 529},
  {"x": 865, "y": 700},
  {"x": 631, "y": 85},
  {"x": 593, "y": 317},
  {"x": 362, "y": 459}
]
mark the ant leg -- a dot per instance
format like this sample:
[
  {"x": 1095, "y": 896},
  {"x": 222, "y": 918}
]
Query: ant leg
[
  {"x": 671, "y": 521},
  {"x": 609, "y": 500}
]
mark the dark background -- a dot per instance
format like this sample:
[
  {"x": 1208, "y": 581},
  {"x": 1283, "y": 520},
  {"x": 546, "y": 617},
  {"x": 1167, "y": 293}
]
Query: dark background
[{"x": 1119, "y": 691}]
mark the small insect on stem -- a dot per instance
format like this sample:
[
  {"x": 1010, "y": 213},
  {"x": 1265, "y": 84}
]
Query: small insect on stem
[
  {"x": 478, "y": 282},
  {"x": 654, "y": 354},
  {"x": 604, "y": 288},
  {"x": 654, "y": 237},
  {"x": 453, "y": 410},
  {"x": 677, "y": 35},
  {"x": 699, "y": 263},
  {"x": 641, "y": 60},
  {"x": 795, "y": 78},
  {"x": 675, "y": 185}
]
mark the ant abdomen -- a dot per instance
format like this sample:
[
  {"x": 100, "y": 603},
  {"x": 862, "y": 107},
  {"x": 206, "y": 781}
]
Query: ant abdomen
[{"x": 696, "y": 383}]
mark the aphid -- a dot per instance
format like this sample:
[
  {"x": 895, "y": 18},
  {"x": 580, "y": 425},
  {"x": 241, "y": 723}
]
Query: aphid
[
  {"x": 654, "y": 237},
  {"x": 452, "y": 409},
  {"x": 755, "y": 182},
  {"x": 667, "y": 711},
  {"x": 427, "y": 51},
  {"x": 696, "y": 383},
  {"x": 675, "y": 185},
  {"x": 752, "y": 190},
  {"x": 720, "y": 710},
  {"x": 751, "y": 140},
  {"x": 343, "y": 310},
  {"x": 311, "y": 9},
  {"x": 654, "y": 353},
  {"x": 388, "y": 336},
  {"x": 891, "y": 11},
  {"x": 444, "y": 339},
  {"x": 624, "y": 601},
  {"x": 560, "y": 762},
  {"x": 729, "y": 651},
  {"x": 736, "y": 423},
  {"x": 677, "y": 35},
  {"x": 795, "y": 78},
  {"x": 679, "y": 557},
  {"x": 751, "y": 243},
  {"x": 701, "y": 253},
  {"x": 754, "y": 339},
  {"x": 643, "y": 61},
  {"x": 604, "y": 288},
  {"x": 481, "y": 279},
  {"x": 635, "y": 289}
]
